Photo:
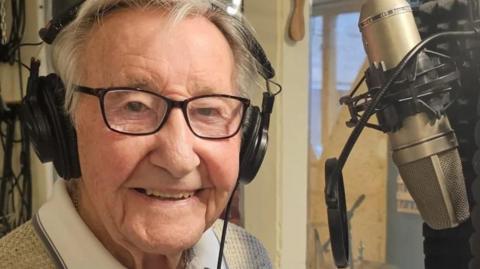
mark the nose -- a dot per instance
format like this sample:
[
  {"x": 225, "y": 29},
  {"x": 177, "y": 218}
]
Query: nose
[{"x": 174, "y": 146}]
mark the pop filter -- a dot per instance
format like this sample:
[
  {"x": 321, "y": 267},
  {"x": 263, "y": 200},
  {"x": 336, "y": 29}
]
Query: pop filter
[{"x": 337, "y": 212}]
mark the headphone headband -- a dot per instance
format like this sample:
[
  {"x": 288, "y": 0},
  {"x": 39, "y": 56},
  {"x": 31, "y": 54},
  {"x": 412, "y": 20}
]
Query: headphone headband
[{"x": 56, "y": 25}]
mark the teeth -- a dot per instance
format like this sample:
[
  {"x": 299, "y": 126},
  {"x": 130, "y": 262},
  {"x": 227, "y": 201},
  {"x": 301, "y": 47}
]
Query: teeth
[{"x": 163, "y": 195}]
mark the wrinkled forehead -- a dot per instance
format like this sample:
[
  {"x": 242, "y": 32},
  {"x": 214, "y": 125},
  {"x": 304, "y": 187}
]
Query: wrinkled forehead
[
  {"x": 169, "y": 13},
  {"x": 137, "y": 29},
  {"x": 147, "y": 45}
]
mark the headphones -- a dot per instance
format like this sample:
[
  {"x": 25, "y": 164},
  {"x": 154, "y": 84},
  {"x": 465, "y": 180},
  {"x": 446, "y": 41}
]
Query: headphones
[{"x": 54, "y": 137}]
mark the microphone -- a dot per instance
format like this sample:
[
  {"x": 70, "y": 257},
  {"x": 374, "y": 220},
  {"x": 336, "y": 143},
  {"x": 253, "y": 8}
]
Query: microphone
[{"x": 424, "y": 146}]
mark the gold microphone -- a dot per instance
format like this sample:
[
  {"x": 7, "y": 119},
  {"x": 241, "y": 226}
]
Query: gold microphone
[{"x": 423, "y": 148}]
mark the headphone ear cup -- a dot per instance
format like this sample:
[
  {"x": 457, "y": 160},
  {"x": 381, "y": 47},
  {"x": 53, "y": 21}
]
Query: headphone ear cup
[
  {"x": 36, "y": 121},
  {"x": 66, "y": 160},
  {"x": 50, "y": 130},
  {"x": 254, "y": 145}
]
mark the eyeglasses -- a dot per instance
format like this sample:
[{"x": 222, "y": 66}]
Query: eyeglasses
[{"x": 135, "y": 111}]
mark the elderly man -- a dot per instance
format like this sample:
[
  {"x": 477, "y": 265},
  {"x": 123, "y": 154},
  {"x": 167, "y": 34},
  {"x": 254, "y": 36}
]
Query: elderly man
[{"x": 153, "y": 89}]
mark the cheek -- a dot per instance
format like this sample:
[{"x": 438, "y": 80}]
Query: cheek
[
  {"x": 103, "y": 158},
  {"x": 221, "y": 159},
  {"x": 107, "y": 163}
]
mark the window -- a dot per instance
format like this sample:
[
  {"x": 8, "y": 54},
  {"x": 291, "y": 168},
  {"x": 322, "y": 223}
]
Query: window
[
  {"x": 316, "y": 67},
  {"x": 350, "y": 54},
  {"x": 337, "y": 55}
]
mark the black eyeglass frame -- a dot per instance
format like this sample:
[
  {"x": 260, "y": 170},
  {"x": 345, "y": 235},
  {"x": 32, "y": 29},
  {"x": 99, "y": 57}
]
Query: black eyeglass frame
[{"x": 101, "y": 92}]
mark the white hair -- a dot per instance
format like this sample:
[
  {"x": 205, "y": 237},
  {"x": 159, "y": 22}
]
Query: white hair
[{"x": 69, "y": 44}]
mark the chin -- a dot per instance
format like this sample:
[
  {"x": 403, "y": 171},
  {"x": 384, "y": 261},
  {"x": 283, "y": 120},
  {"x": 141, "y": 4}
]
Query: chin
[{"x": 164, "y": 238}]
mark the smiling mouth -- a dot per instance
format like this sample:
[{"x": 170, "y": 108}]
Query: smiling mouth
[{"x": 165, "y": 196}]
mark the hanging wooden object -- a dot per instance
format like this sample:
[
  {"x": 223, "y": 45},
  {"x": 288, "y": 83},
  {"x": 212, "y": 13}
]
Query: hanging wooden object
[{"x": 297, "y": 22}]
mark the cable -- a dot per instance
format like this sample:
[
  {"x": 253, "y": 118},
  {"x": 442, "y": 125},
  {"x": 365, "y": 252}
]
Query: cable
[
  {"x": 20, "y": 73},
  {"x": 23, "y": 65},
  {"x": 224, "y": 229},
  {"x": 27, "y": 44},
  {"x": 16, "y": 187},
  {"x": 357, "y": 86},
  {"x": 17, "y": 30}
]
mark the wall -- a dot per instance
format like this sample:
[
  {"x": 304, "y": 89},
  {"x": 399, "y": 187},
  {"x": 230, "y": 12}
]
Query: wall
[
  {"x": 10, "y": 90},
  {"x": 275, "y": 203}
]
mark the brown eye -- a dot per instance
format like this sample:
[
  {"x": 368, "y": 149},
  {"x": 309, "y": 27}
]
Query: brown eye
[
  {"x": 135, "y": 107},
  {"x": 206, "y": 112}
]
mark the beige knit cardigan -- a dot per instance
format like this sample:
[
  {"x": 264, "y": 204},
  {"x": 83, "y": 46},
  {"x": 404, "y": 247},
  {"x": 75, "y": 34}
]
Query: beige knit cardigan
[{"x": 22, "y": 249}]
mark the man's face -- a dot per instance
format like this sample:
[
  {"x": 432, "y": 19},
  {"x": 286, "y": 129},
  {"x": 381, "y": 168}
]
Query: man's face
[{"x": 137, "y": 48}]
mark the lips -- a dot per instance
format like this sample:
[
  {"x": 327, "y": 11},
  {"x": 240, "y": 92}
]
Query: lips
[{"x": 171, "y": 196}]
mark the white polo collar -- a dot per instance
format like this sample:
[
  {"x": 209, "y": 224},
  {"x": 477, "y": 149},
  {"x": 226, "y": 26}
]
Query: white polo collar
[{"x": 72, "y": 245}]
